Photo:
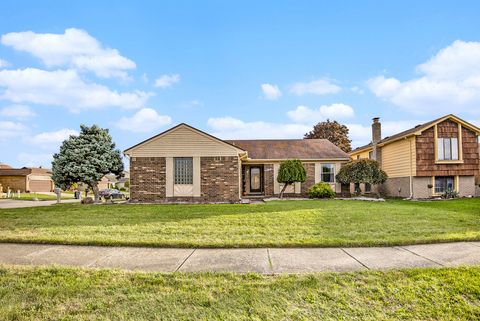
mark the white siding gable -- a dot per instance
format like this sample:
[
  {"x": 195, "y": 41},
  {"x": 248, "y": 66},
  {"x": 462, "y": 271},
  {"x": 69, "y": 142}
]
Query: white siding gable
[{"x": 183, "y": 141}]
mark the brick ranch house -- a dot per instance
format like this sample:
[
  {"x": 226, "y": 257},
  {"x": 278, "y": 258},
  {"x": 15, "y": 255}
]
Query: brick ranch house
[
  {"x": 426, "y": 160},
  {"x": 184, "y": 164},
  {"x": 26, "y": 179}
]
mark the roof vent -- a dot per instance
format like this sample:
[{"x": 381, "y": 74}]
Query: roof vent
[{"x": 418, "y": 125}]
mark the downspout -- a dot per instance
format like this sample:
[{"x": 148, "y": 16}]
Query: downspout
[{"x": 411, "y": 171}]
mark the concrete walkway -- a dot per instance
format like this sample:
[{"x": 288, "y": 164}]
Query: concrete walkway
[
  {"x": 265, "y": 260},
  {"x": 13, "y": 203}
]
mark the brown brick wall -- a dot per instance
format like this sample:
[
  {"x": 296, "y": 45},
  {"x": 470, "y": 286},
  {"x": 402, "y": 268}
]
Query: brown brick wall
[
  {"x": 395, "y": 187},
  {"x": 425, "y": 148},
  {"x": 15, "y": 183},
  {"x": 220, "y": 179},
  {"x": 147, "y": 179},
  {"x": 310, "y": 179},
  {"x": 268, "y": 179}
]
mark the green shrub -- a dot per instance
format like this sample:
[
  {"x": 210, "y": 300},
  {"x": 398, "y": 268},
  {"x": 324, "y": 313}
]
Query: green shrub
[
  {"x": 450, "y": 193},
  {"x": 321, "y": 190},
  {"x": 290, "y": 172}
]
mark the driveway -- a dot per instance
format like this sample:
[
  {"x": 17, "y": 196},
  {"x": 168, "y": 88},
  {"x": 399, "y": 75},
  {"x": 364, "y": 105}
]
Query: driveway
[
  {"x": 266, "y": 260},
  {"x": 10, "y": 203}
]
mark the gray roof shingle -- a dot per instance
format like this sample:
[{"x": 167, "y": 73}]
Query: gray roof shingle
[{"x": 290, "y": 148}]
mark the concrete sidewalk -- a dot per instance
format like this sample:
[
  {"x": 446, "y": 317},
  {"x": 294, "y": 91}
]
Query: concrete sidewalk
[
  {"x": 13, "y": 203},
  {"x": 266, "y": 260}
]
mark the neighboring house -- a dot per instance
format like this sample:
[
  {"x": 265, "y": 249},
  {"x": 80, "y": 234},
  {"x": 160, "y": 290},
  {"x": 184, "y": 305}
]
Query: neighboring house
[
  {"x": 113, "y": 182},
  {"x": 4, "y": 166},
  {"x": 184, "y": 164},
  {"x": 104, "y": 183},
  {"x": 26, "y": 179},
  {"x": 428, "y": 159},
  {"x": 123, "y": 180}
]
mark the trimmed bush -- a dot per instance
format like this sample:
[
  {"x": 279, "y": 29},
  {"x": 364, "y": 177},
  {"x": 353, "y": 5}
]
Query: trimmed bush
[
  {"x": 290, "y": 172},
  {"x": 450, "y": 193},
  {"x": 321, "y": 190}
]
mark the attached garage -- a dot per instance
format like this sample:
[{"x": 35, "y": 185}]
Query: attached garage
[
  {"x": 36, "y": 184},
  {"x": 26, "y": 179}
]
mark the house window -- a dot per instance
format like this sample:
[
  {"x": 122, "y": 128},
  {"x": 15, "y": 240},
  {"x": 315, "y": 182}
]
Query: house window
[
  {"x": 328, "y": 173},
  {"x": 370, "y": 155},
  {"x": 447, "y": 148},
  {"x": 183, "y": 170},
  {"x": 444, "y": 183},
  {"x": 358, "y": 156},
  {"x": 368, "y": 187},
  {"x": 356, "y": 188}
]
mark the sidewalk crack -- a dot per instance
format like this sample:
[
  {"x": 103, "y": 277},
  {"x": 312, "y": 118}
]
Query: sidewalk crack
[
  {"x": 423, "y": 257},
  {"x": 181, "y": 264},
  {"x": 361, "y": 263},
  {"x": 270, "y": 265}
]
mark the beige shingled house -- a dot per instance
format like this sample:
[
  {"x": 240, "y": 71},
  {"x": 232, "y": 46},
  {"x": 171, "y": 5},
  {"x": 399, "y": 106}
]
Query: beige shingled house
[
  {"x": 427, "y": 160},
  {"x": 184, "y": 164}
]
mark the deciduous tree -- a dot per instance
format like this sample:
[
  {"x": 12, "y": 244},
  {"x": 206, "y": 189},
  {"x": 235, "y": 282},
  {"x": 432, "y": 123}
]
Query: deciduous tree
[{"x": 334, "y": 132}]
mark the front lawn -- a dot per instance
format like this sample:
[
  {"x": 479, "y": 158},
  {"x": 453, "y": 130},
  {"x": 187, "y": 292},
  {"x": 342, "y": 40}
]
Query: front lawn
[
  {"x": 273, "y": 224},
  {"x": 74, "y": 294}
]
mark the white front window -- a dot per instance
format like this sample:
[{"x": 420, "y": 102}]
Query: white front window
[
  {"x": 327, "y": 173},
  {"x": 447, "y": 149}
]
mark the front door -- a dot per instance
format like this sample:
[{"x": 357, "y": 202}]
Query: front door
[{"x": 256, "y": 179}]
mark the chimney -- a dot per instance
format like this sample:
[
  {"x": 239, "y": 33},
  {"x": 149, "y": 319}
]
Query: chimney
[
  {"x": 376, "y": 130},
  {"x": 376, "y": 137}
]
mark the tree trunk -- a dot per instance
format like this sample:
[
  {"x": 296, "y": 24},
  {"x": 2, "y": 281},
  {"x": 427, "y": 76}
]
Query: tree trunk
[
  {"x": 95, "y": 192},
  {"x": 283, "y": 189}
]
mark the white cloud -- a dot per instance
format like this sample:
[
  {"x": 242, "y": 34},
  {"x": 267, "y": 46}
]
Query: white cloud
[
  {"x": 51, "y": 140},
  {"x": 316, "y": 87},
  {"x": 192, "y": 104},
  {"x": 357, "y": 90},
  {"x": 4, "y": 63},
  {"x": 35, "y": 160},
  {"x": 74, "y": 48},
  {"x": 17, "y": 111},
  {"x": 449, "y": 81},
  {"x": 233, "y": 128},
  {"x": 145, "y": 120},
  {"x": 271, "y": 92},
  {"x": 165, "y": 81},
  {"x": 10, "y": 130},
  {"x": 64, "y": 88},
  {"x": 304, "y": 114}
]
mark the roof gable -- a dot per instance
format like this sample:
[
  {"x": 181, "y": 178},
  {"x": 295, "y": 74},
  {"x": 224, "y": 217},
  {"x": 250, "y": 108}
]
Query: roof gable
[
  {"x": 418, "y": 130},
  {"x": 183, "y": 140}
]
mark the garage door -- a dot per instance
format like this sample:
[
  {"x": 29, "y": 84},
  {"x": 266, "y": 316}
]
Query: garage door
[{"x": 40, "y": 186}]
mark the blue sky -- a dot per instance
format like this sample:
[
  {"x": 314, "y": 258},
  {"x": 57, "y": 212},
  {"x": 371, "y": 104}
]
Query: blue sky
[{"x": 236, "y": 69}]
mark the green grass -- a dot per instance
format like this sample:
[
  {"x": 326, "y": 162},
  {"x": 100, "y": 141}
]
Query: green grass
[
  {"x": 40, "y": 196},
  {"x": 273, "y": 224},
  {"x": 75, "y": 294}
]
